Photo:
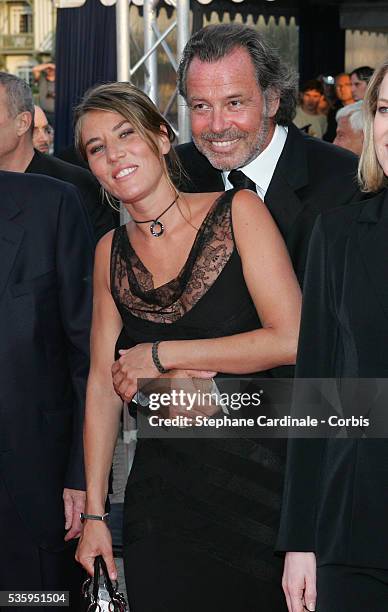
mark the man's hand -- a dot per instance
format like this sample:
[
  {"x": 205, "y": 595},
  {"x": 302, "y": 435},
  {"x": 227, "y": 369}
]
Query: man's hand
[
  {"x": 74, "y": 502},
  {"x": 299, "y": 581},
  {"x": 137, "y": 363}
]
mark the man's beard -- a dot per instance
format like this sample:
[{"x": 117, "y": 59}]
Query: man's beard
[{"x": 239, "y": 160}]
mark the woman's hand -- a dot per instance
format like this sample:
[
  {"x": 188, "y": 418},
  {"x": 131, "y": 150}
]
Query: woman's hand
[
  {"x": 299, "y": 581},
  {"x": 137, "y": 362},
  {"x": 96, "y": 540}
]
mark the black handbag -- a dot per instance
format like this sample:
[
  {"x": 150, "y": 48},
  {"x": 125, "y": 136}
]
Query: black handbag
[{"x": 100, "y": 594}]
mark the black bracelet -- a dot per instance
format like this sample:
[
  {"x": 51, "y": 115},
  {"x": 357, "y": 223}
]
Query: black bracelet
[
  {"x": 94, "y": 517},
  {"x": 156, "y": 360}
]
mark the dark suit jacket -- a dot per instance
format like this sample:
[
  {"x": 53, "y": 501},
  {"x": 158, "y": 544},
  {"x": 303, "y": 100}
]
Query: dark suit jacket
[
  {"x": 336, "y": 491},
  {"x": 99, "y": 213},
  {"x": 310, "y": 176},
  {"x": 46, "y": 250}
]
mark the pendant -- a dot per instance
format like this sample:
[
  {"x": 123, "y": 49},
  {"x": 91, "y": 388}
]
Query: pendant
[{"x": 156, "y": 228}]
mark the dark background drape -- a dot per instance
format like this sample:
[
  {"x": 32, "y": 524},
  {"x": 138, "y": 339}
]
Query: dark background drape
[
  {"x": 321, "y": 41},
  {"x": 85, "y": 56}
]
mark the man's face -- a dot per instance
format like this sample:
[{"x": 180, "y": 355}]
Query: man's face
[
  {"x": 9, "y": 138},
  {"x": 310, "y": 101},
  {"x": 42, "y": 134},
  {"x": 358, "y": 87},
  {"x": 231, "y": 122},
  {"x": 343, "y": 89},
  {"x": 347, "y": 138}
]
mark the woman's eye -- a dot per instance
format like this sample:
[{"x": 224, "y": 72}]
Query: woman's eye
[
  {"x": 96, "y": 149},
  {"x": 126, "y": 133},
  {"x": 382, "y": 109}
]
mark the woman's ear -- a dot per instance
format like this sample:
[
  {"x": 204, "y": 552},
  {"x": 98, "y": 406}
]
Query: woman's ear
[{"x": 163, "y": 140}]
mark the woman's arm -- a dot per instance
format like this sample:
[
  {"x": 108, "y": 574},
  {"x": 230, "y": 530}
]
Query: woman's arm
[
  {"x": 275, "y": 292},
  {"x": 299, "y": 581},
  {"x": 303, "y": 478},
  {"x": 102, "y": 414}
]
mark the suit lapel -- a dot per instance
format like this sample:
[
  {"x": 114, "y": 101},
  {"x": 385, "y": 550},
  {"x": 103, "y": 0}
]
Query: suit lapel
[
  {"x": 372, "y": 237},
  {"x": 11, "y": 236},
  {"x": 291, "y": 174}
]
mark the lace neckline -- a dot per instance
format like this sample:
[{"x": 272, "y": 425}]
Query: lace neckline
[
  {"x": 131, "y": 283},
  {"x": 146, "y": 274}
]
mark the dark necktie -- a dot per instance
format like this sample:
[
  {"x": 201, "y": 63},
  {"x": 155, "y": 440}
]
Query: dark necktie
[{"x": 239, "y": 180}]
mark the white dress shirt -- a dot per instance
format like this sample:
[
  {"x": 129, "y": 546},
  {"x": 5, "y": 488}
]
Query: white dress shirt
[{"x": 261, "y": 169}]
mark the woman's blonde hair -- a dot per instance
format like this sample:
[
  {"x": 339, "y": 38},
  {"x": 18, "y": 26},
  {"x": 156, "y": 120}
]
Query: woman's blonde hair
[
  {"x": 370, "y": 173},
  {"x": 136, "y": 107}
]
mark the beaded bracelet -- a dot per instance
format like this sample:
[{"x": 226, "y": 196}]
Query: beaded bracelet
[{"x": 156, "y": 360}]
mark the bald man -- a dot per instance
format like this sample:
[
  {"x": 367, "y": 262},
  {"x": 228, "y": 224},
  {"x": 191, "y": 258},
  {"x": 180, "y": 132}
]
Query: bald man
[{"x": 42, "y": 135}]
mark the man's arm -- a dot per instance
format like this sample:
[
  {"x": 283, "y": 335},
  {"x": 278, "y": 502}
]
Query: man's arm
[{"x": 74, "y": 257}]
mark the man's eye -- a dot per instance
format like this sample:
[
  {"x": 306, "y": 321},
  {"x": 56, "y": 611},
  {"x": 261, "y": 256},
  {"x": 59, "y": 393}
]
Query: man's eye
[
  {"x": 200, "y": 106},
  {"x": 235, "y": 103}
]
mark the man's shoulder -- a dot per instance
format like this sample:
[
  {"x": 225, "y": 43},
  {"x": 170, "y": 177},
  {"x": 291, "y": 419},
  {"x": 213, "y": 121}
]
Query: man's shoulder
[
  {"x": 189, "y": 155},
  {"x": 34, "y": 184},
  {"x": 57, "y": 168},
  {"x": 37, "y": 191},
  {"x": 320, "y": 152}
]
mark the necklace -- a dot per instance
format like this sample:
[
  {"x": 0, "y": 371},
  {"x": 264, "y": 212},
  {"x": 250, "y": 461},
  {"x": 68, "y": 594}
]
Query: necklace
[{"x": 156, "y": 227}]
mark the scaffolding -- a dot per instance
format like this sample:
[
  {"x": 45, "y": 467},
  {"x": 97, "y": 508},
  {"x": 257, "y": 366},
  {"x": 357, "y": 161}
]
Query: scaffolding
[{"x": 153, "y": 39}]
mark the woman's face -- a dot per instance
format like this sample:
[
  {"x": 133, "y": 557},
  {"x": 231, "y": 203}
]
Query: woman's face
[
  {"x": 120, "y": 159},
  {"x": 380, "y": 126}
]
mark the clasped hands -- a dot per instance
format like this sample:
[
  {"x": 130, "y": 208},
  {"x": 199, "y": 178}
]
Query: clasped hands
[{"x": 136, "y": 363}]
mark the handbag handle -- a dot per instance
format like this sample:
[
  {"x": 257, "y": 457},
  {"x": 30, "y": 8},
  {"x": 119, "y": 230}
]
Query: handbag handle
[{"x": 117, "y": 600}]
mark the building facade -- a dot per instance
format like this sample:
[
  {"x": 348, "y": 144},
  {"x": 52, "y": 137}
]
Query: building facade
[{"x": 27, "y": 32}]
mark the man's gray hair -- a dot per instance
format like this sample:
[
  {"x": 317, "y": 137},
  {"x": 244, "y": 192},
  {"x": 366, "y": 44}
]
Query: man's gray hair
[
  {"x": 214, "y": 42},
  {"x": 355, "y": 113},
  {"x": 19, "y": 94}
]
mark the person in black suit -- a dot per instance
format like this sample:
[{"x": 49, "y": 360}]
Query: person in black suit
[
  {"x": 242, "y": 101},
  {"x": 334, "y": 516},
  {"x": 46, "y": 253},
  {"x": 18, "y": 155}
]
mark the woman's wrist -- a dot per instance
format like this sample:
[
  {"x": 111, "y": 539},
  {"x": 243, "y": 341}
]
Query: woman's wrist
[{"x": 167, "y": 354}]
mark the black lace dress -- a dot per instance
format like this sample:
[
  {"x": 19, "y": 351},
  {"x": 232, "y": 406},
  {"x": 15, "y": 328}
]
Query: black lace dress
[{"x": 200, "y": 516}]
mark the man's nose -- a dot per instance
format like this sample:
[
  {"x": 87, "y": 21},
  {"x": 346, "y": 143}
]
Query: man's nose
[{"x": 219, "y": 120}]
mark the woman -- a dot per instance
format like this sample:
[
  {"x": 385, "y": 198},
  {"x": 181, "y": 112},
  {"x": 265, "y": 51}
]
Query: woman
[
  {"x": 334, "y": 516},
  {"x": 188, "y": 277}
]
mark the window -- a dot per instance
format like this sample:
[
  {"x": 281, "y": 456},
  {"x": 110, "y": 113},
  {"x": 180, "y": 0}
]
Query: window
[
  {"x": 20, "y": 19},
  {"x": 24, "y": 71}
]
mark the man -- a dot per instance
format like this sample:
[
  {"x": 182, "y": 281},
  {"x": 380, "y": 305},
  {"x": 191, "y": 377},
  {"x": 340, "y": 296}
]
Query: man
[
  {"x": 242, "y": 102},
  {"x": 307, "y": 117},
  {"x": 350, "y": 128},
  {"x": 44, "y": 76},
  {"x": 343, "y": 90},
  {"x": 46, "y": 250},
  {"x": 42, "y": 134},
  {"x": 359, "y": 79},
  {"x": 17, "y": 153}
]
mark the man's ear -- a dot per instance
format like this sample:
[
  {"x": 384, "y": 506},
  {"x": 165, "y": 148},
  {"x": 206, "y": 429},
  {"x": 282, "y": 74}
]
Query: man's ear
[
  {"x": 164, "y": 141},
  {"x": 272, "y": 99},
  {"x": 23, "y": 122}
]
